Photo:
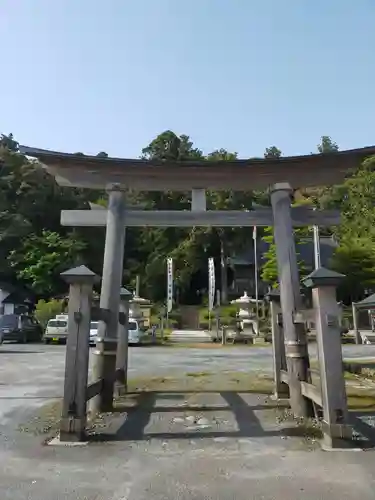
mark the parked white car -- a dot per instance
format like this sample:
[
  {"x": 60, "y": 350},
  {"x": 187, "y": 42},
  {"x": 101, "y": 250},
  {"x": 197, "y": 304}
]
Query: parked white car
[
  {"x": 56, "y": 330},
  {"x": 136, "y": 334}
]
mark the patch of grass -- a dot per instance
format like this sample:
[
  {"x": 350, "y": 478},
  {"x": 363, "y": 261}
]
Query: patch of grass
[
  {"x": 45, "y": 420},
  {"x": 211, "y": 345},
  {"x": 198, "y": 374},
  {"x": 308, "y": 428},
  {"x": 204, "y": 381},
  {"x": 360, "y": 398},
  {"x": 363, "y": 403}
]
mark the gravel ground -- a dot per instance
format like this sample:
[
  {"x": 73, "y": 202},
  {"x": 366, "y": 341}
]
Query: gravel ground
[{"x": 229, "y": 448}]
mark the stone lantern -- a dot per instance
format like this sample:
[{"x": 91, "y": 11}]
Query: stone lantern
[
  {"x": 137, "y": 306},
  {"x": 246, "y": 317}
]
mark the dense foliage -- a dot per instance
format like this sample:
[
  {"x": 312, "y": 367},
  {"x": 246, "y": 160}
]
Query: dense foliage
[{"x": 35, "y": 248}]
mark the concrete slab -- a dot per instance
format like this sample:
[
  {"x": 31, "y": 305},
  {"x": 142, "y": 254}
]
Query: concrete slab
[{"x": 70, "y": 444}]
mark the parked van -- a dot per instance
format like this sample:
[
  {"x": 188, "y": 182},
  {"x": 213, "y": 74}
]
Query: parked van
[
  {"x": 57, "y": 329},
  {"x": 137, "y": 334}
]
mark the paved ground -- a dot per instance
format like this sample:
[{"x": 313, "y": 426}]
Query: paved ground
[
  {"x": 31, "y": 374},
  {"x": 234, "y": 452}
]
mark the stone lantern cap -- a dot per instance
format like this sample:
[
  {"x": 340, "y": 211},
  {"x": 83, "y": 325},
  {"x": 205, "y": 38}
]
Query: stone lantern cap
[
  {"x": 323, "y": 277},
  {"x": 245, "y": 299},
  {"x": 125, "y": 294},
  {"x": 80, "y": 275},
  {"x": 140, "y": 300}
]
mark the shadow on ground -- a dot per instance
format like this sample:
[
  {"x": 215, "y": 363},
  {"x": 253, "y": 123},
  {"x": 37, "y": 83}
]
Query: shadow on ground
[
  {"x": 229, "y": 414},
  {"x": 171, "y": 415},
  {"x": 17, "y": 351},
  {"x": 363, "y": 423}
]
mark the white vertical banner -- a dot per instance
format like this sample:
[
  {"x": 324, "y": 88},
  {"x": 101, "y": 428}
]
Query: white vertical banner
[
  {"x": 256, "y": 276},
  {"x": 316, "y": 247},
  {"x": 211, "y": 283},
  {"x": 169, "y": 284}
]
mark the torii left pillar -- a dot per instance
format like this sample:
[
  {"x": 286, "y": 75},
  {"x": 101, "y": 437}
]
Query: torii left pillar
[
  {"x": 106, "y": 346},
  {"x": 73, "y": 417}
]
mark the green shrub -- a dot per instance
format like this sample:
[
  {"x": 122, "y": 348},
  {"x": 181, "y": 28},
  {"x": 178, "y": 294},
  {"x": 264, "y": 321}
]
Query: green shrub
[
  {"x": 44, "y": 310},
  {"x": 229, "y": 310},
  {"x": 228, "y": 321}
]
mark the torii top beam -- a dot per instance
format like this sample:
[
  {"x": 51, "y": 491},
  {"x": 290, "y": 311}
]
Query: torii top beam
[{"x": 237, "y": 175}]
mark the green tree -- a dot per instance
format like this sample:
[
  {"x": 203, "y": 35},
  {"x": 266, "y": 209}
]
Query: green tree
[
  {"x": 223, "y": 242},
  {"x": 316, "y": 195},
  {"x": 41, "y": 258},
  {"x": 355, "y": 258},
  {"x": 191, "y": 247},
  {"x": 357, "y": 203},
  {"x": 272, "y": 152},
  {"x": 327, "y": 145},
  {"x": 46, "y": 310},
  {"x": 269, "y": 271},
  {"x": 169, "y": 146},
  {"x": 151, "y": 246},
  {"x": 31, "y": 203}
]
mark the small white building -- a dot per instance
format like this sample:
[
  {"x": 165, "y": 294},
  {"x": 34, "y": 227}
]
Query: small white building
[{"x": 14, "y": 300}]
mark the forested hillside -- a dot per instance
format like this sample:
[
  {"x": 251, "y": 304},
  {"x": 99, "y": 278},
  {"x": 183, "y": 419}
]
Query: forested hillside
[{"x": 35, "y": 248}]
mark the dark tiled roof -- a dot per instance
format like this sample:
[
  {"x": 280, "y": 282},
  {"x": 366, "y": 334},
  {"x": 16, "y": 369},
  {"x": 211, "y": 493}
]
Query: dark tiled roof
[
  {"x": 305, "y": 250},
  {"x": 368, "y": 302},
  {"x": 16, "y": 298}
]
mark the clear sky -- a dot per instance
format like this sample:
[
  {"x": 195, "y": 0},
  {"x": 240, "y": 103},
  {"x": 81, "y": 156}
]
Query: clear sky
[{"x": 90, "y": 75}]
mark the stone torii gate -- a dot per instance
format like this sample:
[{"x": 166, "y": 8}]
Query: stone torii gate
[{"x": 281, "y": 176}]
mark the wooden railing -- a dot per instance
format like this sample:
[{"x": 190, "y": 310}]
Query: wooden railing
[
  {"x": 93, "y": 389},
  {"x": 309, "y": 390}
]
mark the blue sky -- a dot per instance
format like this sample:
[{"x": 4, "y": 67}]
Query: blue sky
[{"x": 89, "y": 75}]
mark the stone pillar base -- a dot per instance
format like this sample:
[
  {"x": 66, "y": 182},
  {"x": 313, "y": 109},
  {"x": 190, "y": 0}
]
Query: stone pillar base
[
  {"x": 121, "y": 383},
  {"x": 337, "y": 436},
  {"x": 73, "y": 429}
]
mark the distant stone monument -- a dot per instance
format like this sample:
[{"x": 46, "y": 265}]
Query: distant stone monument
[{"x": 247, "y": 318}]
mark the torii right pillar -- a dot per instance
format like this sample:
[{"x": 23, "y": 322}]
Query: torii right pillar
[
  {"x": 336, "y": 429},
  {"x": 291, "y": 300}
]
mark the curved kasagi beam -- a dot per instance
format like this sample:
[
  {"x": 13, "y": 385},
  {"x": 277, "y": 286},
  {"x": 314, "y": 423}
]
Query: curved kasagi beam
[{"x": 78, "y": 170}]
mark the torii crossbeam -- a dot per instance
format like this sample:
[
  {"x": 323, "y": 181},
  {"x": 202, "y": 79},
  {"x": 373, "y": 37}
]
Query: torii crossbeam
[{"x": 301, "y": 216}]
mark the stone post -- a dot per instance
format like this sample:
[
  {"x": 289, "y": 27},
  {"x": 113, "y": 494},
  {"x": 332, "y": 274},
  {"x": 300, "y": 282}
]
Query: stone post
[
  {"x": 335, "y": 409},
  {"x": 122, "y": 343},
  {"x": 106, "y": 346},
  {"x": 291, "y": 301},
  {"x": 73, "y": 417},
  {"x": 281, "y": 390}
]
